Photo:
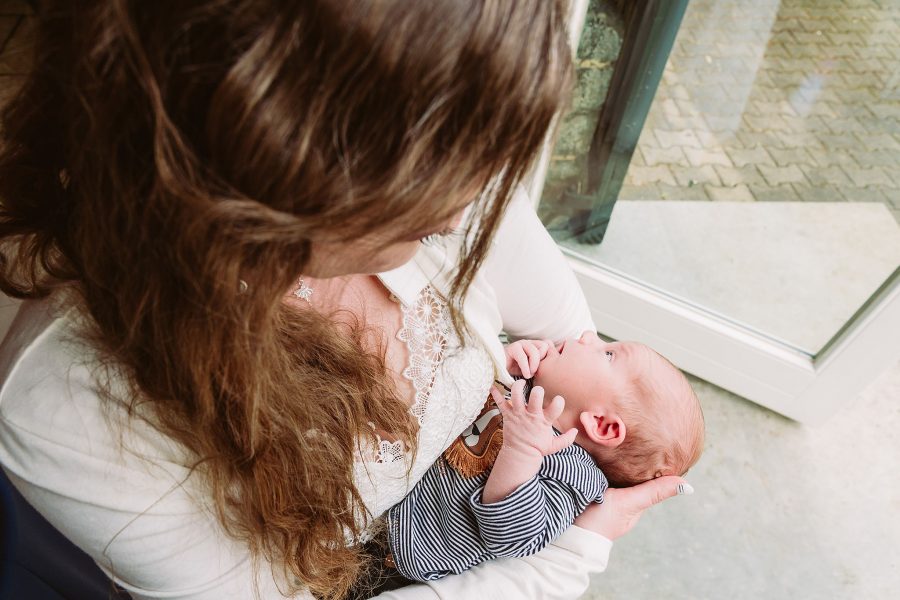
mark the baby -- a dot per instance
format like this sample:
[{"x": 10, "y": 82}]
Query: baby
[{"x": 510, "y": 484}]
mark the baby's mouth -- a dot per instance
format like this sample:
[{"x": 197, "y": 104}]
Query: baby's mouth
[{"x": 562, "y": 346}]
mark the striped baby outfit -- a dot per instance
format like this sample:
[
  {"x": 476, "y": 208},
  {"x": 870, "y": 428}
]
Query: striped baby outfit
[{"x": 441, "y": 527}]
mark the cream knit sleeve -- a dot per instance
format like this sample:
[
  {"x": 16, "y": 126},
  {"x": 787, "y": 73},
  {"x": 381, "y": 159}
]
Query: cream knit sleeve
[{"x": 536, "y": 290}]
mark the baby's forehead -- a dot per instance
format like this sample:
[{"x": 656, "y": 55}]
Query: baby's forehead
[
  {"x": 658, "y": 374},
  {"x": 641, "y": 356}
]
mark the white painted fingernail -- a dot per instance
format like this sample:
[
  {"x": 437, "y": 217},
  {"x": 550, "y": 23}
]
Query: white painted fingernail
[{"x": 685, "y": 489}]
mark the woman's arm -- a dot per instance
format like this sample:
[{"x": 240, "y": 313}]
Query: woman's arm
[
  {"x": 136, "y": 517},
  {"x": 561, "y": 571},
  {"x": 536, "y": 290}
]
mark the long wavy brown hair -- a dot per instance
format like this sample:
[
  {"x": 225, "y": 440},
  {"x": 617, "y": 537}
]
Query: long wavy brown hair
[{"x": 160, "y": 152}]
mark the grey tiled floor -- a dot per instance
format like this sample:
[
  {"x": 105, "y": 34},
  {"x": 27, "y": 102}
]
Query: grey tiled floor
[
  {"x": 797, "y": 100},
  {"x": 781, "y": 511}
]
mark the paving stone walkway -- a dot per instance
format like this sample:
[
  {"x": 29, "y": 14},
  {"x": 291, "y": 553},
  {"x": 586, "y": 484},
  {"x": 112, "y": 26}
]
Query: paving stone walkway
[{"x": 767, "y": 100}]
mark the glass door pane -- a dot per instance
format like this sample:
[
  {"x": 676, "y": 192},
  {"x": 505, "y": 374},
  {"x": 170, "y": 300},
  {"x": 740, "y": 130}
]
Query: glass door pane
[{"x": 765, "y": 186}]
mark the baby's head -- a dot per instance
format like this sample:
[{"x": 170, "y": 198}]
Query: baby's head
[{"x": 635, "y": 411}]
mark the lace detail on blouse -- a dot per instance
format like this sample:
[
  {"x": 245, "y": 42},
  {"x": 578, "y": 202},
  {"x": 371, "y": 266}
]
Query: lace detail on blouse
[
  {"x": 426, "y": 329},
  {"x": 387, "y": 451},
  {"x": 450, "y": 383}
]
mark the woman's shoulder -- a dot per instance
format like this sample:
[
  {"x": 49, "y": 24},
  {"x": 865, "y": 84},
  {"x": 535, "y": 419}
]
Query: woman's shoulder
[
  {"x": 46, "y": 365},
  {"x": 56, "y": 393},
  {"x": 42, "y": 360},
  {"x": 101, "y": 475}
]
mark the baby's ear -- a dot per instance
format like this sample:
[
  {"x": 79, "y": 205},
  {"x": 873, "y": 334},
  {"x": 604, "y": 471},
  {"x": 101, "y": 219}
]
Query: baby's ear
[{"x": 605, "y": 430}]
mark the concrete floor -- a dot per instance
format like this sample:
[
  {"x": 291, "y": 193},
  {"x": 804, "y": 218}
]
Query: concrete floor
[
  {"x": 776, "y": 101},
  {"x": 780, "y": 510}
]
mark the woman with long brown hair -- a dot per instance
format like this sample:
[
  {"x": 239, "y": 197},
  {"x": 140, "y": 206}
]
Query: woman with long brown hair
[{"x": 209, "y": 390}]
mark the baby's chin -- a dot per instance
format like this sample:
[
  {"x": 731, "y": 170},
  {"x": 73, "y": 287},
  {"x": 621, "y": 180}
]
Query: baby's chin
[
  {"x": 544, "y": 372},
  {"x": 550, "y": 390}
]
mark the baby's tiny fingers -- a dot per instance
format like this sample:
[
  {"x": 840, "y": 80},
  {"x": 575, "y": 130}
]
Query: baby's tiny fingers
[
  {"x": 536, "y": 400},
  {"x": 564, "y": 440},
  {"x": 507, "y": 406},
  {"x": 555, "y": 408},
  {"x": 524, "y": 368},
  {"x": 545, "y": 347},
  {"x": 516, "y": 396},
  {"x": 534, "y": 359},
  {"x": 497, "y": 396},
  {"x": 520, "y": 358}
]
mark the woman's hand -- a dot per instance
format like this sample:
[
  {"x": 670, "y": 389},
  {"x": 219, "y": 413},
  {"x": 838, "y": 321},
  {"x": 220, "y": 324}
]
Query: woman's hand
[{"x": 623, "y": 507}]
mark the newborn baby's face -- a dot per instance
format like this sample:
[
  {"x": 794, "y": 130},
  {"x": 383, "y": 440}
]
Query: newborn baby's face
[
  {"x": 588, "y": 370},
  {"x": 598, "y": 379}
]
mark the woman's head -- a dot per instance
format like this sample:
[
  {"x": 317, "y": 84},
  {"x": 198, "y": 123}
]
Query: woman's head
[
  {"x": 161, "y": 152},
  {"x": 298, "y": 124}
]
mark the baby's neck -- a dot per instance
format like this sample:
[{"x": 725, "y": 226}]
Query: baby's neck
[{"x": 568, "y": 419}]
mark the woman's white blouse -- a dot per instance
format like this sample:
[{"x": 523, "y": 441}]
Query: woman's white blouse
[
  {"x": 451, "y": 383},
  {"x": 123, "y": 493}
]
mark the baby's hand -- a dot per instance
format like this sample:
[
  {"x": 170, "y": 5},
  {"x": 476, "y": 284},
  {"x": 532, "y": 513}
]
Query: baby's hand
[
  {"x": 528, "y": 428},
  {"x": 524, "y": 356}
]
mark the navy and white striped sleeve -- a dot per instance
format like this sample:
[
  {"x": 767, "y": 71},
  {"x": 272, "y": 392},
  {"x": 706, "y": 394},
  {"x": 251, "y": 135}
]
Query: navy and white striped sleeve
[{"x": 539, "y": 510}]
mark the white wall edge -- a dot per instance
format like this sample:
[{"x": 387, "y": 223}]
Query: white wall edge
[
  {"x": 869, "y": 346},
  {"x": 735, "y": 358}
]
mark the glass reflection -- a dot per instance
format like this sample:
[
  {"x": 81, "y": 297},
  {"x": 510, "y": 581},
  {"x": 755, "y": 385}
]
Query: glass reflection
[{"x": 765, "y": 185}]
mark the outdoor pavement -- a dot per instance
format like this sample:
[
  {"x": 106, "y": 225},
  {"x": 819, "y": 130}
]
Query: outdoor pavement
[
  {"x": 762, "y": 100},
  {"x": 781, "y": 511}
]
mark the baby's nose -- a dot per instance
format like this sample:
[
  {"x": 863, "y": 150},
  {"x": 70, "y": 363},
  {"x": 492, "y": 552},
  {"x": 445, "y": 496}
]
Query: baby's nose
[{"x": 588, "y": 337}]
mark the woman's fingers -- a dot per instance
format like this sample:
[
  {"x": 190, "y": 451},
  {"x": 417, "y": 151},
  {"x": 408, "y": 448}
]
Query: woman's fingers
[
  {"x": 623, "y": 507},
  {"x": 656, "y": 490}
]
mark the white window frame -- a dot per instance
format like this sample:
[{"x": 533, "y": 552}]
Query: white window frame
[{"x": 732, "y": 356}]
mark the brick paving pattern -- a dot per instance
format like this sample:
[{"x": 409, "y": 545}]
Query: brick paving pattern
[{"x": 767, "y": 100}]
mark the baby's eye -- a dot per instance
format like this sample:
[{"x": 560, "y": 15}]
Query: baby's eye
[{"x": 609, "y": 355}]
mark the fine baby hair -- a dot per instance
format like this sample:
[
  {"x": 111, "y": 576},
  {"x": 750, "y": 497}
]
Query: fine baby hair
[{"x": 664, "y": 423}]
